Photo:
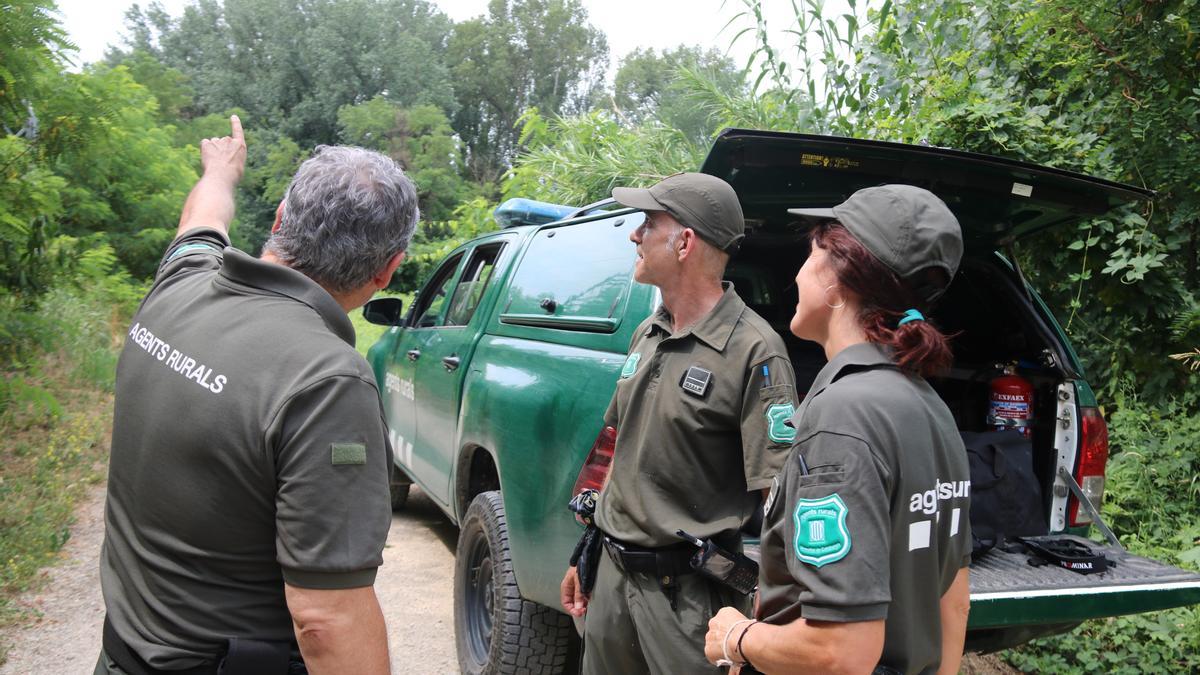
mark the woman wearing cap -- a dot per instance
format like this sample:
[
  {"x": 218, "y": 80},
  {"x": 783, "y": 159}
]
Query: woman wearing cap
[{"x": 866, "y": 538}]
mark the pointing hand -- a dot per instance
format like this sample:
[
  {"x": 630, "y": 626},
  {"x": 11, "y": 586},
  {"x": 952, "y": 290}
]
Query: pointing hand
[{"x": 225, "y": 157}]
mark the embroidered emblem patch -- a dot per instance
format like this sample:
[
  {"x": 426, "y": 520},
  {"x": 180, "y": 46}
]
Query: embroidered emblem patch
[
  {"x": 630, "y": 366},
  {"x": 821, "y": 534},
  {"x": 349, "y": 453},
  {"x": 777, "y": 429}
]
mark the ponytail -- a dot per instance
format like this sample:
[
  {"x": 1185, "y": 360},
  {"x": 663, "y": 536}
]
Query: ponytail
[{"x": 887, "y": 304}]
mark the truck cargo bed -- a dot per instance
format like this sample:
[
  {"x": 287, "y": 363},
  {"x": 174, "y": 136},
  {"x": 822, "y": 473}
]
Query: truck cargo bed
[{"x": 1004, "y": 587}]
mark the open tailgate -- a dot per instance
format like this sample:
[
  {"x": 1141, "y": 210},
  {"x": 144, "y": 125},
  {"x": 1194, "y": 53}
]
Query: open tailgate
[{"x": 1007, "y": 591}]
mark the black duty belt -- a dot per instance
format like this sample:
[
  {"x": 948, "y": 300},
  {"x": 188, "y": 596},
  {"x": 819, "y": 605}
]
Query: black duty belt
[
  {"x": 131, "y": 663},
  {"x": 665, "y": 561},
  {"x": 240, "y": 657}
]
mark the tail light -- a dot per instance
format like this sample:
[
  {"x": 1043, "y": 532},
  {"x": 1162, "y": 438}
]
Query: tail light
[
  {"x": 1092, "y": 460},
  {"x": 595, "y": 469}
]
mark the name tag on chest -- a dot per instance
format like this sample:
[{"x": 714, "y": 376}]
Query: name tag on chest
[{"x": 696, "y": 381}]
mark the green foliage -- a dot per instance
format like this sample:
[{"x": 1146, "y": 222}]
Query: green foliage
[
  {"x": 30, "y": 204},
  {"x": 169, "y": 86},
  {"x": 32, "y": 44},
  {"x": 524, "y": 54},
  {"x": 421, "y": 140},
  {"x": 1151, "y": 502},
  {"x": 653, "y": 86},
  {"x": 292, "y": 64},
  {"x": 54, "y": 410},
  {"x": 125, "y": 178},
  {"x": 579, "y": 160}
]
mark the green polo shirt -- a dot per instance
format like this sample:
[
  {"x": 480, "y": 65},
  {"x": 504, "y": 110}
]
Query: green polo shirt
[
  {"x": 878, "y": 526},
  {"x": 700, "y": 418},
  {"x": 249, "y": 449}
]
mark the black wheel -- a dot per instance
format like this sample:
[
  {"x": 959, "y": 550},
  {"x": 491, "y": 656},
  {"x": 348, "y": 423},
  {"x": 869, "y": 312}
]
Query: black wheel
[
  {"x": 400, "y": 495},
  {"x": 399, "y": 485},
  {"x": 495, "y": 629}
]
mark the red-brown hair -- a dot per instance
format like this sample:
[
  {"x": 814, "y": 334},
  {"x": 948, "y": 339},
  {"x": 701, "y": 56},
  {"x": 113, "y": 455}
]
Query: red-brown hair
[{"x": 918, "y": 346}]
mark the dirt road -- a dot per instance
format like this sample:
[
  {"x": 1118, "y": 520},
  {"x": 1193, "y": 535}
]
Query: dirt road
[{"x": 414, "y": 587}]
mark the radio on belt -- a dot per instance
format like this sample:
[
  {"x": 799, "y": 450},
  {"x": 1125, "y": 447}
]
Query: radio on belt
[{"x": 732, "y": 569}]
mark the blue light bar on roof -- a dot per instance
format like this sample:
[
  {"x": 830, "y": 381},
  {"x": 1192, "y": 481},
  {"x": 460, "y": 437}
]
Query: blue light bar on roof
[{"x": 519, "y": 211}]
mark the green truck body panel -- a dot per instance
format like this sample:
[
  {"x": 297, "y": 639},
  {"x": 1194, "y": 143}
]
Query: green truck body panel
[
  {"x": 536, "y": 364},
  {"x": 1060, "y": 609}
]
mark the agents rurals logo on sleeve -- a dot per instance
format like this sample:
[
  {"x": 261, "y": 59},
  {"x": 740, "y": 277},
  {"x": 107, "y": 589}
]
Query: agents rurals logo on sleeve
[{"x": 821, "y": 533}]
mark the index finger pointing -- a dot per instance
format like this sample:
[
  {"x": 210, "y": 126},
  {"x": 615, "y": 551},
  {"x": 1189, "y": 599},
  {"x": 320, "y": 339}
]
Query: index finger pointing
[{"x": 237, "y": 127}]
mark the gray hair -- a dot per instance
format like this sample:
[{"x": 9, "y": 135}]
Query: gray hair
[{"x": 347, "y": 212}]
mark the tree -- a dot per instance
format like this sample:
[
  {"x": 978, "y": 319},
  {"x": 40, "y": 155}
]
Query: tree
[
  {"x": 292, "y": 63},
  {"x": 419, "y": 139},
  {"x": 523, "y": 54},
  {"x": 649, "y": 85},
  {"x": 125, "y": 179},
  {"x": 32, "y": 45}
]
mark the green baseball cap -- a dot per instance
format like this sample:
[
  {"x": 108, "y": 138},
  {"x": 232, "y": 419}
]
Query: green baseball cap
[
  {"x": 702, "y": 202},
  {"x": 908, "y": 228}
]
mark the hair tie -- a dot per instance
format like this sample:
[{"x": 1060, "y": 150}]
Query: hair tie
[{"x": 910, "y": 315}]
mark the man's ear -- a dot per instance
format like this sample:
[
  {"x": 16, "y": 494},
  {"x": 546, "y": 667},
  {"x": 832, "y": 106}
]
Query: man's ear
[
  {"x": 687, "y": 241},
  {"x": 278, "y": 218},
  {"x": 384, "y": 276}
]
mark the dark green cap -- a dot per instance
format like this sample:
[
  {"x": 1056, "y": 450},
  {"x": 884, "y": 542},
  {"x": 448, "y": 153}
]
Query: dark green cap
[
  {"x": 908, "y": 228},
  {"x": 702, "y": 202}
]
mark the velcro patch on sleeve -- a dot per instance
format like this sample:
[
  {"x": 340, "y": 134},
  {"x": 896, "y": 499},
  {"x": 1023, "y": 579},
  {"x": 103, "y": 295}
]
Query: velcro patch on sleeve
[{"x": 349, "y": 453}]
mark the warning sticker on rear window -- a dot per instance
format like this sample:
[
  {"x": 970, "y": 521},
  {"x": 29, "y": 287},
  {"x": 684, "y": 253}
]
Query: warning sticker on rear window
[
  {"x": 1022, "y": 189},
  {"x": 823, "y": 161}
]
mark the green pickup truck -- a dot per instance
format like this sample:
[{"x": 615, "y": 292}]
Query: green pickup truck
[{"x": 496, "y": 379}]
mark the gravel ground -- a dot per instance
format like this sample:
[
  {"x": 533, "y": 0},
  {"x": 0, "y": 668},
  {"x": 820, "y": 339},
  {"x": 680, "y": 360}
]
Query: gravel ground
[{"x": 414, "y": 587}]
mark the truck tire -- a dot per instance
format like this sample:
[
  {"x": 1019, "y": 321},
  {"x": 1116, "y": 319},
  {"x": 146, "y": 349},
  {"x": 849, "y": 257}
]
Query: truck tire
[
  {"x": 399, "y": 485},
  {"x": 496, "y": 630},
  {"x": 399, "y": 495}
]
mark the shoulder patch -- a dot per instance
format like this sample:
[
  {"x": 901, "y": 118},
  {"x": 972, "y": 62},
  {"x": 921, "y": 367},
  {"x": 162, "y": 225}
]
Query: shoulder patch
[
  {"x": 821, "y": 534},
  {"x": 631, "y": 364},
  {"x": 777, "y": 428},
  {"x": 349, "y": 453}
]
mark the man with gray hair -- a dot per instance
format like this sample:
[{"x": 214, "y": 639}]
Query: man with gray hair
[{"x": 248, "y": 496}]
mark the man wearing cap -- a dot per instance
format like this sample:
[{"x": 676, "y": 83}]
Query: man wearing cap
[
  {"x": 866, "y": 537},
  {"x": 699, "y": 409}
]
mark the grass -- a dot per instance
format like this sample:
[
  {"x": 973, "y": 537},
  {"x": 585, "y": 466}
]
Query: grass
[{"x": 55, "y": 425}]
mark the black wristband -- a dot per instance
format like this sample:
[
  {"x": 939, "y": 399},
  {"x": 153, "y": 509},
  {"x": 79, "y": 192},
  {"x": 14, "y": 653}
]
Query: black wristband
[{"x": 742, "y": 654}]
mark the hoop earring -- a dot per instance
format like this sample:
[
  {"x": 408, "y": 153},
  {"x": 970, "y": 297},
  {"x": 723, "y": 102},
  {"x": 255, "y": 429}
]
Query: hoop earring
[{"x": 837, "y": 306}]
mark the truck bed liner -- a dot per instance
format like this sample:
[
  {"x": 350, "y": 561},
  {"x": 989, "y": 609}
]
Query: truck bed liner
[
  {"x": 1131, "y": 584},
  {"x": 1003, "y": 572}
]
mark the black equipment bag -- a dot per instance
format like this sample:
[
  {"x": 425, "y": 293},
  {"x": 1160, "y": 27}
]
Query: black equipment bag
[{"x": 1006, "y": 497}]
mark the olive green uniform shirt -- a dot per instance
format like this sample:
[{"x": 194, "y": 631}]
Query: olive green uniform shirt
[
  {"x": 249, "y": 449},
  {"x": 701, "y": 422},
  {"x": 878, "y": 526}
]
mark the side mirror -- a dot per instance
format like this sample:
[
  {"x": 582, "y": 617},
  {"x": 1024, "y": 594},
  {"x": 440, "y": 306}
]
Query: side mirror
[{"x": 384, "y": 311}]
